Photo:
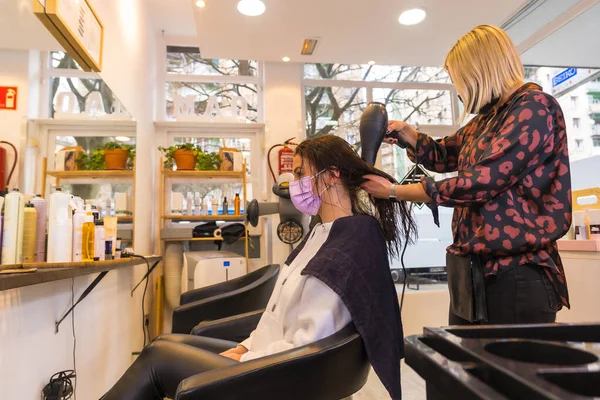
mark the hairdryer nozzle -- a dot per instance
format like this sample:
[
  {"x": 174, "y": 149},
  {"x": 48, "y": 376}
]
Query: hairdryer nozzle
[{"x": 373, "y": 126}]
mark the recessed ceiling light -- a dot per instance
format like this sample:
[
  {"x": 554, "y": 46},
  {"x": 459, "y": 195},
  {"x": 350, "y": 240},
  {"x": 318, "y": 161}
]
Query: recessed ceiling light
[
  {"x": 200, "y": 3},
  {"x": 122, "y": 139},
  {"x": 286, "y": 59},
  {"x": 251, "y": 8},
  {"x": 371, "y": 62},
  {"x": 412, "y": 17}
]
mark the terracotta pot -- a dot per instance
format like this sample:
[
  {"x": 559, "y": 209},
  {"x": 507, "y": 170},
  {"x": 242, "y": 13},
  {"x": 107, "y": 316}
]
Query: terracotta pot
[
  {"x": 185, "y": 160},
  {"x": 116, "y": 158}
]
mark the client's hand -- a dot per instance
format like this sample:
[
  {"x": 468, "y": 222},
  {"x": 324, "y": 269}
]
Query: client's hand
[
  {"x": 235, "y": 353},
  {"x": 377, "y": 186}
]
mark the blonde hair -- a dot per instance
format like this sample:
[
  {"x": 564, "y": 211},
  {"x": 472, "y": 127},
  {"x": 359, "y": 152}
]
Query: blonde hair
[{"x": 484, "y": 64}]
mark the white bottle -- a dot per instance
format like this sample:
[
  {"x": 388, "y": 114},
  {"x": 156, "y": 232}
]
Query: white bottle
[
  {"x": 197, "y": 203},
  {"x": 215, "y": 207},
  {"x": 60, "y": 227},
  {"x": 189, "y": 203},
  {"x": 78, "y": 219},
  {"x": 12, "y": 236},
  {"x": 99, "y": 241}
]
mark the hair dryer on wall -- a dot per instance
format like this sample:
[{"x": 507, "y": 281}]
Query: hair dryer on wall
[{"x": 290, "y": 228}]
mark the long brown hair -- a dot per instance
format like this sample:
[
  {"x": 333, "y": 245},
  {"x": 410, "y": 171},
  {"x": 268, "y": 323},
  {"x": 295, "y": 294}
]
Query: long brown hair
[{"x": 332, "y": 153}]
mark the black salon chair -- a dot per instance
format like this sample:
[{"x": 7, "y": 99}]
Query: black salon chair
[
  {"x": 250, "y": 292},
  {"x": 330, "y": 369}
]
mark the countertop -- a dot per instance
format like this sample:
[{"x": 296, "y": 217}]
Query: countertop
[{"x": 48, "y": 272}]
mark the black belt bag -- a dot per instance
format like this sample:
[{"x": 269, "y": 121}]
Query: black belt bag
[{"x": 466, "y": 284}]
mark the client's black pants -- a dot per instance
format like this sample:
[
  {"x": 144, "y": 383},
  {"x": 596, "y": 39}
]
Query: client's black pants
[
  {"x": 165, "y": 362},
  {"x": 518, "y": 295}
]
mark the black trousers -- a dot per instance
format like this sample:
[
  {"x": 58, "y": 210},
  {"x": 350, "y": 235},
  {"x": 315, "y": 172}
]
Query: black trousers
[
  {"x": 518, "y": 295},
  {"x": 165, "y": 362}
]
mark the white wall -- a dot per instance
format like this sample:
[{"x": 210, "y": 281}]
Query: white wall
[
  {"x": 283, "y": 120},
  {"x": 31, "y": 352},
  {"x": 14, "y": 71}
]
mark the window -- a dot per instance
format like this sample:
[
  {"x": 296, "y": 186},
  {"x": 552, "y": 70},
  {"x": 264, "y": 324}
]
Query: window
[
  {"x": 573, "y": 101},
  {"x": 579, "y": 144},
  {"x": 337, "y": 94},
  {"x": 596, "y": 140},
  {"x": 213, "y": 80},
  {"x": 576, "y": 122},
  {"x": 67, "y": 76}
]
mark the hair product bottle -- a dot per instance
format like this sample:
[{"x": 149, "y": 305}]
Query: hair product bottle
[
  {"x": 225, "y": 206},
  {"x": 29, "y": 233},
  {"x": 99, "y": 241},
  {"x": 40, "y": 232},
  {"x": 78, "y": 219},
  {"x": 14, "y": 213},
  {"x": 88, "y": 233},
  {"x": 60, "y": 227},
  {"x": 236, "y": 204}
]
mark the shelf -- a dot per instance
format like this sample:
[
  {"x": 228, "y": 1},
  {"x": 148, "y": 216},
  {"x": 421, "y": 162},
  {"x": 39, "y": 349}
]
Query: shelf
[
  {"x": 204, "y": 174},
  {"x": 100, "y": 174},
  {"x": 205, "y": 217},
  {"x": 193, "y": 239},
  {"x": 123, "y": 218}
]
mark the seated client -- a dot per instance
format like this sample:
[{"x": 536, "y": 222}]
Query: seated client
[{"x": 339, "y": 274}]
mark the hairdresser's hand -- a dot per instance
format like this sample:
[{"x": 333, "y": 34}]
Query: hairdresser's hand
[
  {"x": 236, "y": 353},
  {"x": 377, "y": 186},
  {"x": 405, "y": 130}
]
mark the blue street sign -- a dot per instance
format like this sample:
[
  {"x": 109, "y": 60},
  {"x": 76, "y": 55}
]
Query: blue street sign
[{"x": 563, "y": 76}]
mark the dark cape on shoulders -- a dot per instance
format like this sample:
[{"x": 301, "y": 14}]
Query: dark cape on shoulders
[{"x": 353, "y": 262}]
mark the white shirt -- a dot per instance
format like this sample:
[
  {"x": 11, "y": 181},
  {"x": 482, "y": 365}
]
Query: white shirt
[{"x": 301, "y": 310}]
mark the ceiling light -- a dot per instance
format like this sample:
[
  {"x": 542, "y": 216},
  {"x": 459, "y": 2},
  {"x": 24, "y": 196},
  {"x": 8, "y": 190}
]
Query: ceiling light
[
  {"x": 286, "y": 59},
  {"x": 200, "y": 3},
  {"x": 412, "y": 17},
  {"x": 122, "y": 139},
  {"x": 371, "y": 62},
  {"x": 251, "y": 8}
]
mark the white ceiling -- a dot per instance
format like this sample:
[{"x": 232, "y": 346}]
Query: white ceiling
[
  {"x": 175, "y": 17},
  {"x": 351, "y": 31}
]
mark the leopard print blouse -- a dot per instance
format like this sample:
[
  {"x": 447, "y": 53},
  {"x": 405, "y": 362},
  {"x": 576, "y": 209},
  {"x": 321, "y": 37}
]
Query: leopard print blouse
[{"x": 512, "y": 194}]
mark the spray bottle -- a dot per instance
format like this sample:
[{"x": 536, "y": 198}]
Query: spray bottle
[
  {"x": 29, "y": 233},
  {"x": 40, "y": 232}
]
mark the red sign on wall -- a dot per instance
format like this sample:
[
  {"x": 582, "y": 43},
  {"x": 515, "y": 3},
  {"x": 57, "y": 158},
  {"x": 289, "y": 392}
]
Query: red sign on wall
[{"x": 8, "y": 97}]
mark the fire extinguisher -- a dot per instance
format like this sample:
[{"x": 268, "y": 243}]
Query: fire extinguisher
[
  {"x": 285, "y": 158},
  {"x": 3, "y": 180}
]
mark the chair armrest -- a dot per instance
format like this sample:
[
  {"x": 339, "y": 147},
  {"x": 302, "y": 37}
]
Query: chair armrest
[
  {"x": 332, "y": 368},
  {"x": 236, "y": 328}
]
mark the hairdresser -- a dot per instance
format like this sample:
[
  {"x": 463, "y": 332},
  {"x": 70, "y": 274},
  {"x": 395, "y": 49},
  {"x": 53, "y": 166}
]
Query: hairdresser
[{"x": 512, "y": 192}]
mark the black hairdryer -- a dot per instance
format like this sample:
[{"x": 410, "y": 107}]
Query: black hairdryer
[{"x": 373, "y": 129}]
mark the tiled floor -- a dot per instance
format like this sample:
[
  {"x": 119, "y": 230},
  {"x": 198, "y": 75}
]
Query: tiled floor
[{"x": 413, "y": 387}]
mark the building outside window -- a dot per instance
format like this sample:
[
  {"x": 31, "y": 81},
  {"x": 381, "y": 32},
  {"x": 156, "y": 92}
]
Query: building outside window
[
  {"x": 573, "y": 101},
  {"x": 576, "y": 122},
  {"x": 596, "y": 140},
  {"x": 579, "y": 144}
]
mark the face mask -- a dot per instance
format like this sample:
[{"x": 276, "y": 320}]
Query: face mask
[{"x": 303, "y": 197}]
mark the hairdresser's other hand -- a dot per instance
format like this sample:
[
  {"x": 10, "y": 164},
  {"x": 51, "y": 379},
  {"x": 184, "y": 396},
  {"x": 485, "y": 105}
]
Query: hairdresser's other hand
[
  {"x": 405, "y": 130},
  {"x": 236, "y": 353},
  {"x": 377, "y": 186}
]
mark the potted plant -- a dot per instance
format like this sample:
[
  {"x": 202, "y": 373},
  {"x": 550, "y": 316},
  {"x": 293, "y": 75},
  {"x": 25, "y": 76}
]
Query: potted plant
[
  {"x": 116, "y": 155},
  {"x": 208, "y": 161},
  {"x": 110, "y": 156},
  {"x": 184, "y": 156}
]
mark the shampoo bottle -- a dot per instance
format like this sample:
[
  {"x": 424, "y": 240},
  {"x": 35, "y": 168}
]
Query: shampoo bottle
[
  {"x": 99, "y": 241},
  {"x": 236, "y": 204},
  {"x": 78, "y": 220},
  {"x": 88, "y": 233},
  {"x": 60, "y": 227}
]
